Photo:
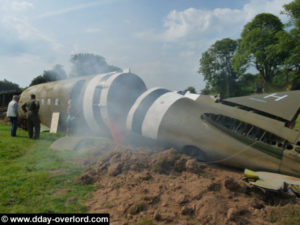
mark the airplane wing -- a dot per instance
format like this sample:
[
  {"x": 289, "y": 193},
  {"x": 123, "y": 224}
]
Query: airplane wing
[
  {"x": 281, "y": 104},
  {"x": 273, "y": 181}
]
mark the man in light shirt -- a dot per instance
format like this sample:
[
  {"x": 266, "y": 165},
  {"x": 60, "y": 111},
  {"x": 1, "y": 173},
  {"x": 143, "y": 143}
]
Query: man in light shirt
[{"x": 13, "y": 112}]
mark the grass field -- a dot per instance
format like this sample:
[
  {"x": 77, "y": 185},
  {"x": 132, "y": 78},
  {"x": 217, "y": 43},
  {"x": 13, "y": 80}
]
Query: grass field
[
  {"x": 297, "y": 127},
  {"x": 35, "y": 179}
]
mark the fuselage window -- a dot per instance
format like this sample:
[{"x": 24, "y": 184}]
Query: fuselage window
[
  {"x": 56, "y": 101},
  {"x": 49, "y": 101}
]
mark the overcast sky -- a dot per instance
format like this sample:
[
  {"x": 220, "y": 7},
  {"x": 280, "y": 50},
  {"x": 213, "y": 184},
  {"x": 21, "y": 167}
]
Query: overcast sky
[{"x": 159, "y": 40}]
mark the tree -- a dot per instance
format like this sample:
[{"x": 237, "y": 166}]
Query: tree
[
  {"x": 38, "y": 80},
  {"x": 258, "y": 46},
  {"x": 248, "y": 84},
  {"x": 191, "y": 90},
  {"x": 57, "y": 73},
  {"x": 6, "y": 85},
  {"x": 293, "y": 11},
  {"x": 84, "y": 64},
  {"x": 208, "y": 90},
  {"x": 215, "y": 66},
  {"x": 292, "y": 44}
]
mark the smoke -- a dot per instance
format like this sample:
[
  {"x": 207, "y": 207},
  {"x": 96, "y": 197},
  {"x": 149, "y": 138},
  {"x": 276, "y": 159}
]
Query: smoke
[
  {"x": 57, "y": 73},
  {"x": 84, "y": 64}
]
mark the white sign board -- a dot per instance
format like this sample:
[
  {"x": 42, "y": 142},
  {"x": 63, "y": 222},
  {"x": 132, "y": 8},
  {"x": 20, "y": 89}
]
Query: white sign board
[{"x": 54, "y": 122}]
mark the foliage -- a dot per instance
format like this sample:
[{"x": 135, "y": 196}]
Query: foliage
[
  {"x": 191, "y": 90},
  {"x": 215, "y": 66},
  {"x": 208, "y": 90},
  {"x": 6, "y": 85},
  {"x": 38, "y": 80},
  {"x": 292, "y": 44},
  {"x": 297, "y": 126},
  {"x": 293, "y": 11},
  {"x": 57, "y": 73},
  {"x": 296, "y": 83},
  {"x": 248, "y": 84},
  {"x": 290, "y": 215},
  {"x": 36, "y": 179},
  {"x": 264, "y": 44},
  {"x": 84, "y": 64},
  {"x": 259, "y": 46}
]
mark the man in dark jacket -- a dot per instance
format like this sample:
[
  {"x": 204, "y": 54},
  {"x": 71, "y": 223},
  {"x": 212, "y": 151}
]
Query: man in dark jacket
[{"x": 31, "y": 108}]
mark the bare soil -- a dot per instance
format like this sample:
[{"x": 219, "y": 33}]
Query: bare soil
[{"x": 153, "y": 186}]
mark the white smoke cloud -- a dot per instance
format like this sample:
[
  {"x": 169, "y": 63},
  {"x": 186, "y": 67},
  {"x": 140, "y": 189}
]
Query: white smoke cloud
[{"x": 84, "y": 64}]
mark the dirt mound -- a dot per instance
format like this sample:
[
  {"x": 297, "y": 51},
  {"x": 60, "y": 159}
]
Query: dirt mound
[
  {"x": 138, "y": 160},
  {"x": 139, "y": 186}
]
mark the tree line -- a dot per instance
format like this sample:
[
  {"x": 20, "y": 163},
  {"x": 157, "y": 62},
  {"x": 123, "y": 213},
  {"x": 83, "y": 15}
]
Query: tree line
[
  {"x": 6, "y": 85},
  {"x": 267, "y": 46}
]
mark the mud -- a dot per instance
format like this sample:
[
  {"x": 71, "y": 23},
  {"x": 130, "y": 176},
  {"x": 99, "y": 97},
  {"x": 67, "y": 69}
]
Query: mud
[{"x": 155, "y": 186}]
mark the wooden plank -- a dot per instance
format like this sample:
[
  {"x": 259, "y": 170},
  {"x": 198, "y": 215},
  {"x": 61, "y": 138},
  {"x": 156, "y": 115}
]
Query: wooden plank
[{"x": 54, "y": 122}]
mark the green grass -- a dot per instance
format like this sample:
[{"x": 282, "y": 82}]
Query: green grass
[
  {"x": 145, "y": 221},
  {"x": 36, "y": 179},
  {"x": 289, "y": 216},
  {"x": 297, "y": 126}
]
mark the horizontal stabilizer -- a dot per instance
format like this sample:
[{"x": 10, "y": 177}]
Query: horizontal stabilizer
[{"x": 284, "y": 105}]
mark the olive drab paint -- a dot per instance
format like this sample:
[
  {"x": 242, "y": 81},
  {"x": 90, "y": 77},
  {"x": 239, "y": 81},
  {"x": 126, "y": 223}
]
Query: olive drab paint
[{"x": 254, "y": 132}]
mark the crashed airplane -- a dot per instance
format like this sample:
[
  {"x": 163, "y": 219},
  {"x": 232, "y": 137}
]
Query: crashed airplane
[{"x": 255, "y": 132}]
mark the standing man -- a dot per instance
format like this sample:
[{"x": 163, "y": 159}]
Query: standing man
[
  {"x": 12, "y": 113},
  {"x": 31, "y": 108}
]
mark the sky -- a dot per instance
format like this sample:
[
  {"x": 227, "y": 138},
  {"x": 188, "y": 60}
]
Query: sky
[{"x": 159, "y": 40}]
